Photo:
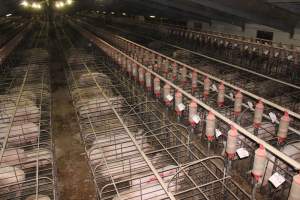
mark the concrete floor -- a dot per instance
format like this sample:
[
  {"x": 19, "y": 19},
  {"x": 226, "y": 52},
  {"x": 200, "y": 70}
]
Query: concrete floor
[{"x": 74, "y": 181}]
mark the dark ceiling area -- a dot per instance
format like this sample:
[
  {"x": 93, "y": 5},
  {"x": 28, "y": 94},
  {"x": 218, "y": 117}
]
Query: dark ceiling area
[{"x": 280, "y": 14}]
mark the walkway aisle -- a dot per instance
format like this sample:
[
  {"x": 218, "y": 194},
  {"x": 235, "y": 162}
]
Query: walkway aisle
[{"x": 74, "y": 182}]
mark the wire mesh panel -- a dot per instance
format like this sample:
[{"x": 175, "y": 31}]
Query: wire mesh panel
[
  {"x": 136, "y": 72},
  {"x": 27, "y": 162},
  {"x": 125, "y": 165},
  {"x": 215, "y": 92},
  {"x": 266, "y": 57}
]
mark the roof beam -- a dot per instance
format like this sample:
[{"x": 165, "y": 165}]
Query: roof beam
[
  {"x": 142, "y": 8},
  {"x": 255, "y": 11},
  {"x": 187, "y": 7}
]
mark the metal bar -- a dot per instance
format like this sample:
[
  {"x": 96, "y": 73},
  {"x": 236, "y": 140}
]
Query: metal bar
[{"x": 273, "y": 150}]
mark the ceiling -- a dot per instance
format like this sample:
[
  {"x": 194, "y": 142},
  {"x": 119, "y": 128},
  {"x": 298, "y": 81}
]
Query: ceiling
[
  {"x": 290, "y": 5},
  {"x": 280, "y": 14}
]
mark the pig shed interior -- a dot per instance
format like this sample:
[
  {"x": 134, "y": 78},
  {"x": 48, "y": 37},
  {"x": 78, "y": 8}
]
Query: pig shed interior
[{"x": 149, "y": 100}]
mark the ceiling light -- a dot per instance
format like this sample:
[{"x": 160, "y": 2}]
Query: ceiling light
[
  {"x": 36, "y": 6},
  {"x": 59, "y": 4},
  {"x": 124, "y": 14},
  {"x": 112, "y": 13},
  {"x": 8, "y": 15},
  {"x": 69, "y": 2},
  {"x": 25, "y": 3},
  {"x": 152, "y": 16}
]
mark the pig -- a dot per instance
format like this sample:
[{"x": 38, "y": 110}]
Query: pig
[
  {"x": 97, "y": 106},
  {"x": 24, "y": 113},
  {"x": 149, "y": 187},
  {"x": 38, "y": 197},
  {"x": 87, "y": 79},
  {"x": 11, "y": 179},
  {"x": 121, "y": 169},
  {"x": 27, "y": 98},
  {"x": 116, "y": 147},
  {"x": 20, "y": 134},
  {"x": 84, "y": 94},
  {"x": 45, "y": 158},
  {"x": 13, "y": 157},
  {"x": 166, "y": 173},
  {"x": 27, "y": 95}
]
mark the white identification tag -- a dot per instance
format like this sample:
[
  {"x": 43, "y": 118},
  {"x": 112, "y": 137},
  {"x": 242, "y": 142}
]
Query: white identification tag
[
  {"x": 218, "y": 133},
  {"x": 242, "y": 153},
  {"x": 273, "y": 117},
  {"x": 214, "y": 88},
  {"x": 231, "y": 95},
  {"x": 250, "y": 104},
  {"x": 181, "y": 107},
  {"x": 196, "y": 119},
  {"x": 276, "y": 179},
  {"x": 169, "y": 97}
]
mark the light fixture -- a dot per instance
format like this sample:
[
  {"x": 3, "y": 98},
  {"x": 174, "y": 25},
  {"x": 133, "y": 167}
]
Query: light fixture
[
  {"x": 152, "y": 16},
  {"x": 112, "y": 13},
  {"x": 25, "y": 3},
  {"x": 124, "y": 14},
  {"x": 35, "y": 5},
  {"x": 104, "y": 12},
  {"x": 8, "y": 15},
  {"x": 61, "y": 4},
  {"x": 69, "y": 2}
]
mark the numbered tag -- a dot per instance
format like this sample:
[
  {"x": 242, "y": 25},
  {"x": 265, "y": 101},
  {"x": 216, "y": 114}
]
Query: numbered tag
[
  {"x": 169, "y": 97},
  {"x": 277, "y": 179},
  {"x": 214, "y": 88},
  {"x": 196, "y": 119},
  {"x": 181, "y": 107},
  {"x": 231, "y": 95},
  {"x": 276, "y": 54},
  {"x": 250, "y": 104},
  {"x": 218, "y": 133},
  {"x": 242, "y": 153},
  {"x": 266, "y": 52},
  {"x": 246, "y": 47},
  {"x": 273, "y": 117}
]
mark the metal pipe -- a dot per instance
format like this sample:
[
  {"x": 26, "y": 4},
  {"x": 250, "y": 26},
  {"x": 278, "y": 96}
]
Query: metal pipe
[{"x": 99, "y": 42}]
